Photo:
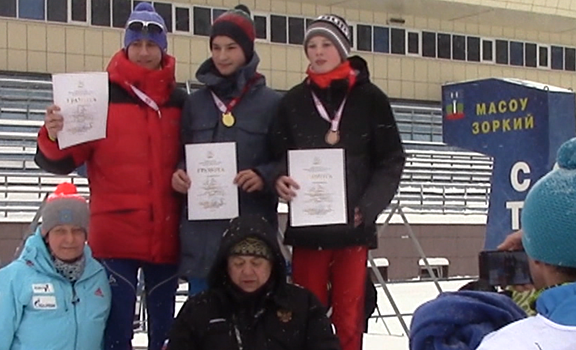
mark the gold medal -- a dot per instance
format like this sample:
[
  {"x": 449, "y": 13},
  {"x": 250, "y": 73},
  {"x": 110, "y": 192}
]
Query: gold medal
[
  {"x": 228, "y": 119},
  {"x": 332, "y": 137}
]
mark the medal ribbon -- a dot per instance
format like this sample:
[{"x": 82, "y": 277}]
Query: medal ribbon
[
  {"x": 146, "y": 99},
  {"x": 334, "y": 123},
  {"x": 227, "y": 108}
]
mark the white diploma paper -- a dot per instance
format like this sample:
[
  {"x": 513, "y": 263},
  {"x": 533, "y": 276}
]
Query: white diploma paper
[
  {"x": 83, "y": 100},
  {"x": 212, "y": 169},
  {"x": 321, "y": 199}
]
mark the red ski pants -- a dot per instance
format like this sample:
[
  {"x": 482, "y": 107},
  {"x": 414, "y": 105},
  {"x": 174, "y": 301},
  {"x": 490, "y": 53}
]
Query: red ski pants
[{"x": 345, "y": 269}]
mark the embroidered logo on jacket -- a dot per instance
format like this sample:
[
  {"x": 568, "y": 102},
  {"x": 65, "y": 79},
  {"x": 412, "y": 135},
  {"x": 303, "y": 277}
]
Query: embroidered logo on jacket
[
  {"x": 284, "y": 315},
  {"x": 44, "y": 302},
  {"x": 99, "y": 293},
  {"x": 43, "y": 288}
]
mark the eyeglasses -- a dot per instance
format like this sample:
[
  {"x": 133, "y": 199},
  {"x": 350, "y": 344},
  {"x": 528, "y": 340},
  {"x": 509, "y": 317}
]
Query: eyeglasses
[{"x": 146, "y": 26}]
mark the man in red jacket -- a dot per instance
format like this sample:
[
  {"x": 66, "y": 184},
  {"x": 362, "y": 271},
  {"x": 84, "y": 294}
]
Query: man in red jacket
[{"x": 134, "y": 212}]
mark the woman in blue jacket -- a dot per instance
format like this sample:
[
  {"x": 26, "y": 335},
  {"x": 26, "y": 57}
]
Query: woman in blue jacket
[{"x": 55, "y": 296}]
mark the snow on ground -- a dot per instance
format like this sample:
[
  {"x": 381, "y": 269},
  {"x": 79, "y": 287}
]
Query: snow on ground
[{"x": 384, "y": 333}]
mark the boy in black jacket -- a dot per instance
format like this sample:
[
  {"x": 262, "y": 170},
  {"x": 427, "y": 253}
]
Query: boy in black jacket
[{"x": 338, "y": 107}]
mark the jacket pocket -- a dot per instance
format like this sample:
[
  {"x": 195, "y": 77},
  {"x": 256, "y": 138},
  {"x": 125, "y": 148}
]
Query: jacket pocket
[
  {"x": 251, "y": 138},
  {"x": 203, "y": 130}
]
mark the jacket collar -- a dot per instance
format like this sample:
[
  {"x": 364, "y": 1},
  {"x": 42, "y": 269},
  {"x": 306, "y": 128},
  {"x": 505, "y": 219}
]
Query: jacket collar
[
  {"x": 157, "y": 84},
  {"x": 36, "y": 255},
  {"x": 229, "y": 87},
  {"x": 558, "y": 304}
]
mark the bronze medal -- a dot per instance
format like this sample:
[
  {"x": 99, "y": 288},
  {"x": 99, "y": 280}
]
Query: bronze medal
[
  {"x": 284, "y": 315},
  {"x": 332, "y": 137},
  {"x": 228, "y": 119}
]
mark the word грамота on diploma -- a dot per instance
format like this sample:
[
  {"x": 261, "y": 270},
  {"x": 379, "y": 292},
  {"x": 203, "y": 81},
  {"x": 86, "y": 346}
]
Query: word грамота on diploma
[
  {"x": 83, "y": 102},
  {"x": 321, "y": 199},
  {"x": 212, "y": 169}
]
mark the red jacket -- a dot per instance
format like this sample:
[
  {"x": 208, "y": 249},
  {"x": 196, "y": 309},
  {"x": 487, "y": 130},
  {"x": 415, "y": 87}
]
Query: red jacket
[{"x": 134, "y": 211}]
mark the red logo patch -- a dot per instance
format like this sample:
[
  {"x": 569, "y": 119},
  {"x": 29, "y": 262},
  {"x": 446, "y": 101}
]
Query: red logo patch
[{"x": 99, "y": 293}]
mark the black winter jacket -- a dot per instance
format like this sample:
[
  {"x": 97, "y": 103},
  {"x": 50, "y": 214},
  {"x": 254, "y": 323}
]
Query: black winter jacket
[
  {"x": 278, "y": 317},
  {"x": 374, "y": 156}
]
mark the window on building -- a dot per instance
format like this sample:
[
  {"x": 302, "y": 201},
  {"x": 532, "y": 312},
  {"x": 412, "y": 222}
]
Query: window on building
[
  {"x": 381, "y": 39},
  {"x": 78, "y": 11},
  {"x": 570, "y": 59},
  {"x": 530, "y": 54},
  {"x": 557, "y": 57},
  {"x": 217, "y": 13},
  {"x": 31, "y": 9},
  {"x": 202, "y": 21},
  {"x": 473, "y": 52},
  {"x": 543, "y": 60},
  {"x": 459, "y": 47},
  {"x": 182, "y": 19},
  {"x": 121, "y": 10},
  {"x": 414, "y": 43},
  {"x": 165, "y": 11},
  {"x": 100, "y": 12},
  {"x": 444, "y": 46},
  {"x": 295, "y": 30},
  {"x": 398, "y": 41},
  {"x": 364, "y": 37},
  {"x": 278, "y": 29},
  {"x": 260, "y": 24},
  {"x": 516, "y": 53},
  {"x": 352, "y": 40},
  {"x": 57, "y": 10},
  {"x": 502, "y": 51},
  {"x": 8, "y": 8},
  {"x": 429, "y": 44},
  {"x": 487, "y": 50}
]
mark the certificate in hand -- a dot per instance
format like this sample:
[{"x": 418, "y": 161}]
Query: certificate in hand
[
  {"x": 212, "y": 169},
  {"x": 83, "y": 102},
  {"x": 321, "y": 199}
]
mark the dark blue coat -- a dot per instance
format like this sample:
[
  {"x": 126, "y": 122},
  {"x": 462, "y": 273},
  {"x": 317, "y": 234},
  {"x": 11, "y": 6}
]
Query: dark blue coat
[{"x": 201, "y": 123}]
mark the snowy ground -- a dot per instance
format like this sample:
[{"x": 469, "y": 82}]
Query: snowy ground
[{"x": 387, "y": 334}]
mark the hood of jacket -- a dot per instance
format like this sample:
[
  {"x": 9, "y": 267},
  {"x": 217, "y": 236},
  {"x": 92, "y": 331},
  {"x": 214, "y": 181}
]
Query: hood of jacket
[
  {"x": 231, "y": 86},
  {"x": 558, "y": 304},
  {"x": 157, "y": 84},
  {"x": 238, "y": 230},
  {"x": 36, "y": 255}
]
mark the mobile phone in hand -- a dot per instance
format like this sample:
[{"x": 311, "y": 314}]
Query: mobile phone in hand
[{"x": 504, "y": 268}]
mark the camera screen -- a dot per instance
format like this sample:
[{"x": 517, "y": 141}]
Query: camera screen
[{"x": 505, "y": 268}]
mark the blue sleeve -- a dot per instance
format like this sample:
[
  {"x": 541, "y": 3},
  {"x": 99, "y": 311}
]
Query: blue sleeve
[{"x": 11, "y": 309}]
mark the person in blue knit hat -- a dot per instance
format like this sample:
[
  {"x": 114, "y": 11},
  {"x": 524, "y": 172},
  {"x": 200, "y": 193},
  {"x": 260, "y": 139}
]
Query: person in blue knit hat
[
  {"x": 134, "y": 215},
  {"x": 549, "y": 239}
]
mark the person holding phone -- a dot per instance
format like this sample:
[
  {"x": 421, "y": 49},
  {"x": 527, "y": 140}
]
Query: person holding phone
[{"x": 549, "y": 239}]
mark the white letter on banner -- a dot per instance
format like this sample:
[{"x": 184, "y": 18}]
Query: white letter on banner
[
  {"x": 515, "y": 207},
  {"x": 516, "y": 184}
]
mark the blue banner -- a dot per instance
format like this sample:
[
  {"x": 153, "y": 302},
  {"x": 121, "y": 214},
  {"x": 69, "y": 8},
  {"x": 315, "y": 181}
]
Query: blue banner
[{"x": 520, "y": 125}]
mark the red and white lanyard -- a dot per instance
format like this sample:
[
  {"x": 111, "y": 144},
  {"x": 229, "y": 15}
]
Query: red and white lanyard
[
  {"x": 226, "y": 108},
  {"x": 335, "y": 122},
  {"x": 146, "y": 99}
]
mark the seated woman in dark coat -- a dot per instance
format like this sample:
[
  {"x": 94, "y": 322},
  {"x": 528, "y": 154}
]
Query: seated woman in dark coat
[{"x": 249, "y": 305}]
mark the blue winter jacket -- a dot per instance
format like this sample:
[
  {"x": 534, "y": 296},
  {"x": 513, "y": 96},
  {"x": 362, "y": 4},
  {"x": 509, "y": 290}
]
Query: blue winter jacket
[
  {"x": 41, "y": 310},
  {"x": 201, "y": 123}
]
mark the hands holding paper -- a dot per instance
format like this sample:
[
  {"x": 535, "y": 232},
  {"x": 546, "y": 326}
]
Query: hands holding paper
[
  {"x": 247, "y": 180},
  {"x": 53, "y": 121},
  {"x": 286, "y": 188},
  {"x": 181, "y": 181}
]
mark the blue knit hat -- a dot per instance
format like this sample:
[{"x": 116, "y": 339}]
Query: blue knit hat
[
  {"x": 549, "y": 213},
  {"x": 145, "y": 14}
]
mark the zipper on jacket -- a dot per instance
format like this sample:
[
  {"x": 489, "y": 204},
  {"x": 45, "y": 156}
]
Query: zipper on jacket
[
  {"x": 75, "y": 300},
  {"x": 237, "y": 333}
]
